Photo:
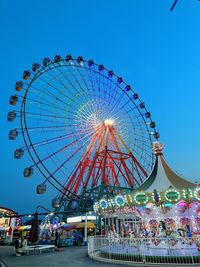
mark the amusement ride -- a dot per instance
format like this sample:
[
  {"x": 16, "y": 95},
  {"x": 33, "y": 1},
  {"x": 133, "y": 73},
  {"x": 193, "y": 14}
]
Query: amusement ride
[
  {"x": 159, "y": 222},
  {"x": 86, "y": 130}
]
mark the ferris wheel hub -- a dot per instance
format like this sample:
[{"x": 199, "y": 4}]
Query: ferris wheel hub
[{"x": 109, "y": 122}]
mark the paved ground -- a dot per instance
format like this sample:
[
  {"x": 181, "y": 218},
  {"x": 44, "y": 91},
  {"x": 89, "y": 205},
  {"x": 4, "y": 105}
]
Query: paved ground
[{"x": 70, "y": 257}]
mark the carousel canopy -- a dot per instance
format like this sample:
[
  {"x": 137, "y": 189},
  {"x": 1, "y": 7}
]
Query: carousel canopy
[
  {"x": 162, "y": 176},
  {"x": 163, "y": 186}
]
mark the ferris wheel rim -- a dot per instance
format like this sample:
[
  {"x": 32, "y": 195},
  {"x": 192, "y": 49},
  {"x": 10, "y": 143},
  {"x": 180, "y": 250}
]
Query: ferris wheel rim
[{"x": 23, "y": 113}]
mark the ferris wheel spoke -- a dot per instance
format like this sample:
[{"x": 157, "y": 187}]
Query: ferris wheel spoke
[
  {"x": 46, "y": 92},
  {"x": 85, "y": 83},
  {"x": 99, "y": 85},
  {"x": 109, "y": 94},
  {"x": 139, "y": 156},
  {"x": 93, "y": 86},
  {"x": 85, "y": 156},
  {"x": 62, "y": 195},
  {"x": 125, "y": 144},
  {"x": 102, "y": 134},
  {"x": 106, "y": 89},
  {"x": 49, "y": 121},
  {"x": 124, "y": 105},
  {"x": 77, "y": 81},
  {"x": 80, "y": 93},
  {"x": 120, "y": 98},
  {"x": 64, "y": 74},
  {"x": 46, "y": 176},
  {"x": 112, "y": 90},
  {"x": 115, "y": 88},
  {"x": 60, "y": 81},
  {"x": 131, "y": 121},
  {"x": 125, "y": 113},
  {"x": 66, "y": 146},
  {"x": 122, "y": 161},
  {"x": 105, "y": 86},
  {"x": 53, "y": 86},
  {"x": 137, "y": 126},
  {"x": 99, "y": 77},
  {"x": 141, "y": 149},
  {"x": 45, "y": 115},
  {"x": 40, "y": 128},
  {"x": 76, "y": 151},
  {"x": 71, "y": 71},
  {"x": 61, "y": 140},
  {"x": 136, "y": 135},
  {"x": 77, "y": 132},
  {"x": 57, "y": 113},
  {"x": 47, "y": 141},
  {"x": 39, "y": 102}
]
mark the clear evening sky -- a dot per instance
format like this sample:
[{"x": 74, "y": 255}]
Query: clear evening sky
[{"x": 155, "y": 51}]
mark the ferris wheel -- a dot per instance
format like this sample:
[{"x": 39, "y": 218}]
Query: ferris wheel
[{"x": 86, "y": 130}]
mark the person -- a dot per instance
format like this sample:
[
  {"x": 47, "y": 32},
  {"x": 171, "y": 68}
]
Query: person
[
  {"x": 56, "y": 238},
  {"x": 17, "y": 244},
  {"x": 103, "y": 233},
  {"x": 22, "y": 247},
  {"x": 52, "y": 238}
]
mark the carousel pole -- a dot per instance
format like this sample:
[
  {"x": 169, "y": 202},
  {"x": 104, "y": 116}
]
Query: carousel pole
[
  {"x": 134, "y": 217},
  {"x": 117, "y": 225},
  {"x": 188, "y": 202}
]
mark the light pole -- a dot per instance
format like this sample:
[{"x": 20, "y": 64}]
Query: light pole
[{"x": 85, "y": 231}]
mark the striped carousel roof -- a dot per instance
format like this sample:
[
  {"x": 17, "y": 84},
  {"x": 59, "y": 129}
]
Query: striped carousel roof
[{"x": 162, "y": 176}]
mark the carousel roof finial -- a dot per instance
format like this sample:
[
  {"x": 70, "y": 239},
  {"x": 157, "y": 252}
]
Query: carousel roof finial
[{"x": 157, "y": 147}]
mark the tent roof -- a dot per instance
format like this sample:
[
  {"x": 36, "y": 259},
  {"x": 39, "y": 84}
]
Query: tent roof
[
  {"x": 162, "y": 176},
  {"x": 7, "y": 211}
]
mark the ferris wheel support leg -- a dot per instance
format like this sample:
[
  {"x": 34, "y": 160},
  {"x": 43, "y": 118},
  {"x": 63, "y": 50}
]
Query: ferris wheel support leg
[
  {"x": 138, "y": 164},
  {"x": 102, "y": 190},
  {"x": 66, "y": 208},
  {"x": 81, "y": 200}
]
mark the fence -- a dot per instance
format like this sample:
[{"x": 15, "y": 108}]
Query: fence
[{"x": 182, "y": 251}]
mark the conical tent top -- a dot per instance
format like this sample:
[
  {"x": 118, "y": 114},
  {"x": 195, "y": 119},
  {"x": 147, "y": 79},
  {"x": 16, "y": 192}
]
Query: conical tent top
[{"x": 162, "y": 176}]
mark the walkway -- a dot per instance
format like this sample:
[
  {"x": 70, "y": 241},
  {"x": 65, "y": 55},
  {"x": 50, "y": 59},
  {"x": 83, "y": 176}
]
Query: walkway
[{"x": 70, "y": 257}]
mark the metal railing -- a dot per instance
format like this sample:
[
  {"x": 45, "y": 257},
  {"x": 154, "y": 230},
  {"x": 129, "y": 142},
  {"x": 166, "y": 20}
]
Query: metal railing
[{"x": 154, "y": 250}]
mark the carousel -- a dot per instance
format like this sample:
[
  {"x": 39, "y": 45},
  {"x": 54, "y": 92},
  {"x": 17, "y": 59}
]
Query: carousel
[{"x": 161, "y": 218}]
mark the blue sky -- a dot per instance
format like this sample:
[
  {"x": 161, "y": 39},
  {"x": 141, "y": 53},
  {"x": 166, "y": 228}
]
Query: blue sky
[{"x": 154, "y": 50}]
